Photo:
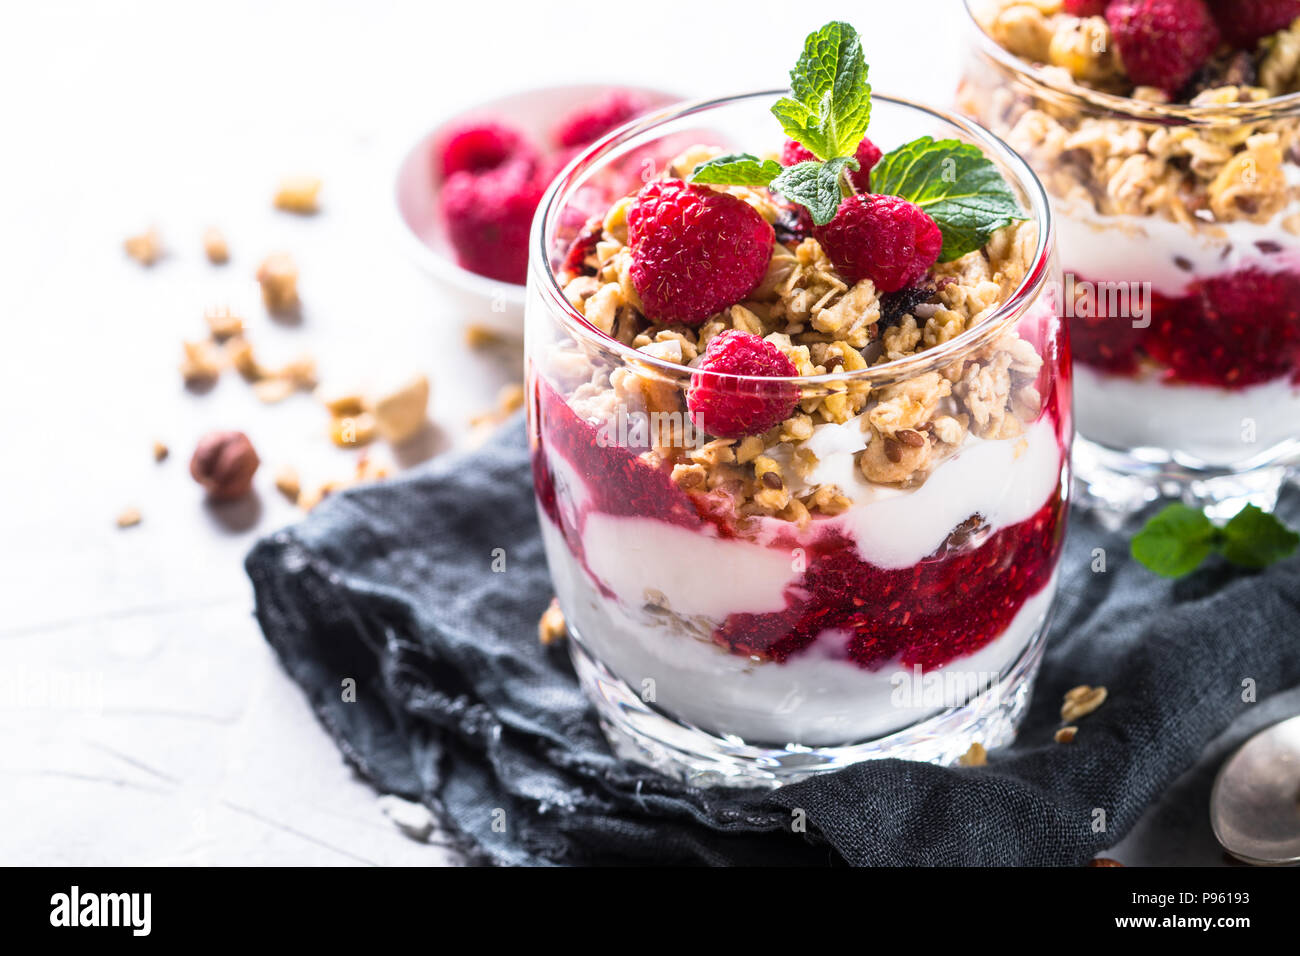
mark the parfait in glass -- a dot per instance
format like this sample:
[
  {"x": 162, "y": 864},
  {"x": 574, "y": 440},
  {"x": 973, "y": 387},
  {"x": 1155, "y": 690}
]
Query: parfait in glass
[
  {"x": 1168, "y": 136},
  {"x": 801, "y": 470}
]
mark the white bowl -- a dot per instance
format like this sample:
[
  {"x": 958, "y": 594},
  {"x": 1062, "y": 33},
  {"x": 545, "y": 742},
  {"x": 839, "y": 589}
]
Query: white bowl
[{"x": 482, "y": 301}]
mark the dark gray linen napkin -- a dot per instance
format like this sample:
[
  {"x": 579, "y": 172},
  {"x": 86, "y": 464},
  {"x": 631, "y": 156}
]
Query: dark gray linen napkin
[{"x": 457, "y": 704}]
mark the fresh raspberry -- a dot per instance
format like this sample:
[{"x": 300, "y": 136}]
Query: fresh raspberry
[
  {"x": 1245, "y": 22},
  {"x": 885, "y": 239},
  {"x": 729, "y": 408},
  {"x": 1086, "y": 8},
  {"x": 488, "y": 218},
  {"x": 1162, "y": 42},
  {"x": 694, "y": 251},
  {"x": 867, "y": 155},
  {"x": 478, "y": 147},
  {"x": 593, "y": 120}
]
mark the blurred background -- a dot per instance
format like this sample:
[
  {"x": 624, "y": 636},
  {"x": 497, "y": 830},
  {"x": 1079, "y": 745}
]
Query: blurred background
[{"x": 143, "y": 718}]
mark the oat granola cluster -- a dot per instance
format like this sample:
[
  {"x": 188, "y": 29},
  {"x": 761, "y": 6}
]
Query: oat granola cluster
[
  {"x": 823, "y": 325},
  {"x": 1212, "y": 172}
]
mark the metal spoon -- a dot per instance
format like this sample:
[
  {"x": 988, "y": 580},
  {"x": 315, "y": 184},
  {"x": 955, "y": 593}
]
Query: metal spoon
[{"x": 1255, "y": 804}]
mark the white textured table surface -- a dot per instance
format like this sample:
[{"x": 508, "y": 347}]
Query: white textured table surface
[{"x": 142, "y": 716}]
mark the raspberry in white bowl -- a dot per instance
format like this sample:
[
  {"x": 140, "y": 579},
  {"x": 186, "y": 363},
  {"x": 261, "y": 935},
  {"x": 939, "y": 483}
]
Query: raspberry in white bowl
[
  {"x": 467, "y": 191},
  {"x": 1168, "y": 136},
  {"x": 799, "y": 434}
]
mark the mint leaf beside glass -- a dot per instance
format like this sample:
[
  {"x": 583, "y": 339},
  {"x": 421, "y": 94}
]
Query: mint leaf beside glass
[{"x": 1177, "y": 541}]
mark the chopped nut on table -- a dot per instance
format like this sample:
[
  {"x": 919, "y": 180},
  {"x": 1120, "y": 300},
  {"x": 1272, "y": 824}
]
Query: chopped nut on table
[
  {"x": 240, "y": 352},
  {"x": 401, "y": 412},
  {"x": 273, "y": 390},
  {"x": 278, "y": 277},
  {"x": 223, "y": 323},
  {"x": 160, "y": 451},
  {"x": 224, "y": 463},
  {"x": 288, "y": 483},
  {"x": 509, "y": 399},
  {"x": 341, "y": 399},
  {"x": 215, "y": 247},
  {"x": 977, "y": 756},
  {"x": 298, "y": 194},
  {"x": 129, "y": 518},
  {"x": 201, "y": 364},
  {"x": 145, "y": 248},
  {"x": 480, "y": 337},
  {"x": 551, "y": 628},
  {"x": 301, "y": 372},
  {"x": 1066, "y": 735},
  {"x": 366, "y": 470},
  {"x": 1081, "y": 701},
  {"x": 348, "y": 431}
]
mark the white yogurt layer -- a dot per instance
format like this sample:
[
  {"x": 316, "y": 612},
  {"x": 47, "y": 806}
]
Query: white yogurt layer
[
  {"x": 1169, "y": 255},
  {"x": 1215, "y": 426},
  {"x": 816, "y": 698}
]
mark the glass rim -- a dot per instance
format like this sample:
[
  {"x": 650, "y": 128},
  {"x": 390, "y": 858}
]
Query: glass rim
[
  {"x": 1009, "y": 310},
  {"x": 1126, "y": 107}
]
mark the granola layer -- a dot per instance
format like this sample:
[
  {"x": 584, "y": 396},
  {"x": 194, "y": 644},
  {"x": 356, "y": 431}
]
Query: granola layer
[
  {"x": 823, "y": 325},
  {"x": 1221, "y": 170}
]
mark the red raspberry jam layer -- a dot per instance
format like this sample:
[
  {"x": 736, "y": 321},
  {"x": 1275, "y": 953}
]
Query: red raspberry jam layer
[
  {"x": 1231, "y": 331},
  {"x": 950, "y": 604}
]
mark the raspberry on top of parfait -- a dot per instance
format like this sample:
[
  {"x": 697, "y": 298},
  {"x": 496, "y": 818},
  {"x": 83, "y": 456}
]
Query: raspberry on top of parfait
[{"x": 701, "y": 268}]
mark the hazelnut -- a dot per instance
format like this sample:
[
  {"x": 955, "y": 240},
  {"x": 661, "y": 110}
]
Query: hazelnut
[{"x": 224, "y": 463}]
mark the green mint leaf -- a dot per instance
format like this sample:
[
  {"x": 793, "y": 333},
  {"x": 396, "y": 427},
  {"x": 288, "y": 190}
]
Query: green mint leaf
[
  {"x": 1175, "y": 541},
  {"x": 830, "y": 105},
  {"x": 956, "y": 185},
  {"x": 737, "y": 169},
  {"x": 1255, "y": 539},
  {"x": 815, "y": 185}
]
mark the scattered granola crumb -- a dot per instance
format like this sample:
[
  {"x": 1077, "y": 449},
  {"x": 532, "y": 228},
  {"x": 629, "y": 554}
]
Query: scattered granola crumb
[
  {"x": 1066, "y": 734},
  {"x": 145, "y": 248},
  {"x": 160, "y": 451},
  {"x": 215, "y": 247},
  {"x": 301, "y": 372},
  {"x": 129, "y": 518},
  {"x": 201, "y": 364},
  {"x": 298, "y": 194},
  {"x": 240, "y": 352},
  {"x": 367, "y": 470},
  {"x": 481, "y": 337},
  {"x": 223, "y": 323},
  {"x": 278, "y": 277},
  {"x": 341, "y": 399},
  {"x": 552, "y": 629},
  {"x": 1081, "y": 701},
  {"x": 288, "y": 483},
  {"x": 401, "y": 412},
  {"x": 273, "y": 390},
  {"x": 509, "y": 400},
  {"x": 977, "y": 756},
  {"x": 348, "y": 431}
]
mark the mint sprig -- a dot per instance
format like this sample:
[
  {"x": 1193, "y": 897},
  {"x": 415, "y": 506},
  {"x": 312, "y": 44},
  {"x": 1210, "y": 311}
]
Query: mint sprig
[
  {"x": 827, "y": 111},
  {"x": 955, "y": 183},
  {"x": 816, "y": 186},
  {"x": 830, "y": 105},
  {"x": 1177, "y": 541}
]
